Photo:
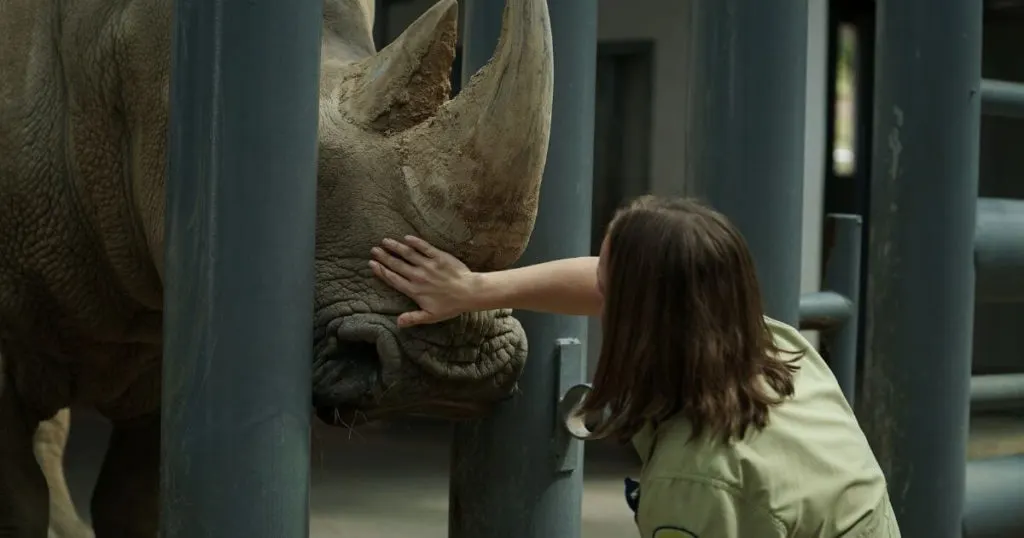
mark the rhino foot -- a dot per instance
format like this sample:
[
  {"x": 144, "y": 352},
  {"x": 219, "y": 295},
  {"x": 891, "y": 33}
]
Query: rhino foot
[{"x": 48, "y": 444}]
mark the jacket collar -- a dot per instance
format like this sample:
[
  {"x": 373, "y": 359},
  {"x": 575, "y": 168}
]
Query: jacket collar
[{"x": 643, "y": 442}]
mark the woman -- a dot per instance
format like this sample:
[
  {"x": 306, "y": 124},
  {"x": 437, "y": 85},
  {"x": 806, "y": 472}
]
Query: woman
[{"x": 741, "y": 426}]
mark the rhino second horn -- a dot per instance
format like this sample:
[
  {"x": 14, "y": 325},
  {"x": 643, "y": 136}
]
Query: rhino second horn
[
  {"x": 483, "y": 153},
  {"x": 407, "y": 81},
  {"x": 511, "y": 95}
]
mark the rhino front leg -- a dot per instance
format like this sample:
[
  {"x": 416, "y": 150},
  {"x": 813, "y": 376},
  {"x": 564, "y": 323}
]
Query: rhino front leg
[
  {"x": 49, "y": 443},
  {"x": 126, "y": 502},
  {"x": 24, "y": 499}
]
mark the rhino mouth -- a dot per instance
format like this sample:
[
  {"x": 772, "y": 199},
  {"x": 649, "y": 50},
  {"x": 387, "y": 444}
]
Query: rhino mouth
[
  {"x": 366, "y": 369},
  {"x": 345, "y": 374},
  {"x": 348, "y": 370}
]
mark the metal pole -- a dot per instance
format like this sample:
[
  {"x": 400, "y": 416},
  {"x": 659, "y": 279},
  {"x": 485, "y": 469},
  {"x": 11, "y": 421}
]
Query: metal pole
[
  {"x": 866, "y": 26},
  {"x": 381, "y": 22},
  {"x": 999, "y": 251},
  {"x": 842, "y": 276},
  {"x": 1001, "y": 98},
  {"x": 241, "y": 206},
  {"x": 744, "y": 147},
  {"x": 824, "y": 310},
  {"x": 994, "y": 507},
  {"x": 920, "y": 294},
  {"x": 534, "y": 479},
  {"x": 997, "y": 392}
]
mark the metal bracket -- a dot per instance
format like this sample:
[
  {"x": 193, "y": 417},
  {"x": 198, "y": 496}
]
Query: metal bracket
[{"x": 571, "y": 367}]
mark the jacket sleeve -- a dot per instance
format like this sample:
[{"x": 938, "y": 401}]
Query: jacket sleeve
[{"x": 695, "y": 508}]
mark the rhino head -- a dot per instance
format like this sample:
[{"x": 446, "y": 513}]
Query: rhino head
[{"x": 397, "y": 156}]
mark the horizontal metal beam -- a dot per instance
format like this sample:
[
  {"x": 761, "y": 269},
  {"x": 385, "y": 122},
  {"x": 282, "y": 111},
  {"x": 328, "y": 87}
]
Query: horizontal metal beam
[
  {"x": 1001, "y": 98},
  {"x": 999, "y": 250},
  {"x": 823, "y": 310},
  {"x": 1008, "y": 7},
  {"x": 993, "y": 504},
  {"x": 1000, "y": 391}
]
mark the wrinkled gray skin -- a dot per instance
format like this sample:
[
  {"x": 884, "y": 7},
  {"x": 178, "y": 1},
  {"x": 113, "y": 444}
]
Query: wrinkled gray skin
[{"x": 83, "y": 117}]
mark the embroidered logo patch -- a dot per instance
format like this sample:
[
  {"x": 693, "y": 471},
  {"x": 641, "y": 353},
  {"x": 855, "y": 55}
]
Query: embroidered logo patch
[{"x": 673, "y": 532}]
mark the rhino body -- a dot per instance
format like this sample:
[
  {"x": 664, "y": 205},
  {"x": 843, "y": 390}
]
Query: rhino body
[{"x": 83, "y": 118}]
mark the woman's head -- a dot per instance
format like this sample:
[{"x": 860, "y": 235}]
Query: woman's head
[{"x": 683, "y": 325}]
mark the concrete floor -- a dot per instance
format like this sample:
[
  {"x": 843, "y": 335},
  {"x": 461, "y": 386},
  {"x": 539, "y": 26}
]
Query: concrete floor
[
  {"x": 392, "y": 480},
  {"x": 386, "y": 481}
]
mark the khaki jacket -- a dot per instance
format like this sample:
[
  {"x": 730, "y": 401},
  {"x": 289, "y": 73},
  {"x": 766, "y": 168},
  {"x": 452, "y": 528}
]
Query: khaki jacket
[{"x": 809, "y": 473}]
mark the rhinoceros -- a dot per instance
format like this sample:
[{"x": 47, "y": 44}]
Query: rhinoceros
[{"x": 83, "y": 120}]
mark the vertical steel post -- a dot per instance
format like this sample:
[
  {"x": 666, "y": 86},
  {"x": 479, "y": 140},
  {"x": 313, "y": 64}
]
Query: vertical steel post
[
  {"x": 240, "y": 223},
  {"x": 744, "y": 146},
  {"x": 381, "y": 22},
  {"x": 863, "y": 18},
  {"x": 533, "y": 487},
  {"x": 920, "y": 289},
  {"x": 842, "y": 276}
]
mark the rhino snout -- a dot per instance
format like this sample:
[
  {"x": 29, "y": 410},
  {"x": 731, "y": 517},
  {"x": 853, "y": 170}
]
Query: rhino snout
[{"x": 366, "y": 368}]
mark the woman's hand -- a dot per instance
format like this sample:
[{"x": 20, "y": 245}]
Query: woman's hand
[{"x": 440, "y": 284}]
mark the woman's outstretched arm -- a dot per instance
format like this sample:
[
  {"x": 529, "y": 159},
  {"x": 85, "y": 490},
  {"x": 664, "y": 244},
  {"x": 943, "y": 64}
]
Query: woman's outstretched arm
[{"x": 444, "y": 287}]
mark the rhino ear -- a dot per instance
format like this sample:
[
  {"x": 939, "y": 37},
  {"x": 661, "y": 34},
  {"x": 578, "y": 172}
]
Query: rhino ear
[{"x": 407, "y": 81}]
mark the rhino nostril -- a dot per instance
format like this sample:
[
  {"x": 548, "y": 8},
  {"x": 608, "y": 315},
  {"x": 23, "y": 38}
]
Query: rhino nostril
[{"x": 346, "y": 374}]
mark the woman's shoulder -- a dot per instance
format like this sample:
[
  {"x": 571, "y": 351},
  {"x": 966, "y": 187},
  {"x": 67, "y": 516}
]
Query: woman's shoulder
[
  {"x": 811, "y": 367},
  {"x": 786, "y": 337},
  {"x": 673, "y": 452}
]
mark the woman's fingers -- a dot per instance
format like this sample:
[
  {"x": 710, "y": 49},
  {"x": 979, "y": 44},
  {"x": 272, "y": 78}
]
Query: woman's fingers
[
  {"x": 394, "y": 263},
  {"x": 410, "y": 254},
  {"x": 421, "y": 246},
  {"x": 419, "y": 270},
  {"x": 416, "y": 317},
  {"x": 392, "y": 278}
]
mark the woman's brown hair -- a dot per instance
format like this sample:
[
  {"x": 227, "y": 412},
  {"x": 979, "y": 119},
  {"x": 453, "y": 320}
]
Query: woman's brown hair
[{"x": 684, "y": 329}]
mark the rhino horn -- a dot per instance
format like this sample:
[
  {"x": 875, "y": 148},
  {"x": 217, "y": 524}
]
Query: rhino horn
[
  {"x": 406, "y": 82},
  {"x": 482, "y": 154}
]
